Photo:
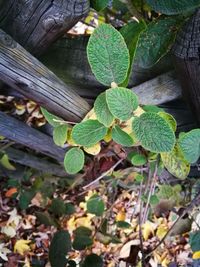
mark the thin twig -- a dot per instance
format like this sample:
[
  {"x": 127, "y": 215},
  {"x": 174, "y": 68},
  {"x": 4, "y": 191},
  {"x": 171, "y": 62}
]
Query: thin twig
[
  {"x": 103, "y": 175},
  {"x": 140, "y": 227}
]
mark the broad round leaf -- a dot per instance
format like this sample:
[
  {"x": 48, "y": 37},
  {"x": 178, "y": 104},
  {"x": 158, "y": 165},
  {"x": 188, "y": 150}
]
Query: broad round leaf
[
  {"x": 95, "y": 205},
  {"x": 121, "y": 137},
  {"x": 138, "y": 160},
  {"x": 195, "y": 241},
  {"x": 92, "y": 260},
  {"x": 60, "y": 246},
  {"x": 176, "y": 163},
  {"x": 156, "y": 41},
  {"x": 74, "y": 160},
  {"x": 81, "y": 242},
  {"x": 121, "y": 102},
  {"x": 52, "y": 119},
  {"x": 108, "y": 55},
  {"x": 154, "y": 133},
  {"x": 88, "y": 133},
  {"x": 172, "y": 7},
  {"x": 102, "y": 111},
  {"x": 190, "y": 145},
  {"x": 60, "y": 135}
]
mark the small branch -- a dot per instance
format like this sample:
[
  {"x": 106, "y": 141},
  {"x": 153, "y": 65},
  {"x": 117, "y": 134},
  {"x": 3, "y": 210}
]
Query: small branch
[{"x": 103, "y": 175}]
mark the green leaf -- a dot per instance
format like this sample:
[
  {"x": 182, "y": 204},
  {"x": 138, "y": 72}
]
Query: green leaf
[
  {"x": 172, "y": 7},
  {"x": 154, "y": 200},
  {"x": 108, "y": 55},
  {"x": 57, "y": 207},
  {"x": 88, "y": 133},
  {"x": 95, "y": 205},
  {"x": 131, "y": 33},
  {"x": 25, "y": 199},
  {"x": 69, "y": 208},
  {"x": 60, "y": 134},
  {"x": 170, "y": 119},
  {"x": 46, "y": 219},
  {"x": 92, "y": 260},
  {"x": 121, "y": 137},
  {"x": 190, "y": 145},
  {"x": 52, "y": 119},
  {"x": 99, "y": 5},
  {"x": 121, "y": 102},
  {"x": 74, "y": 160},
  {"x": 123, "y": 224},
  {"x": 195, "y": 241},
  {"x": 60, "y": 246},
  {"x": 156, "y": 41},
  {"x": 4, "y": 161},
  {"x": 81, "y": 241},
  {"x": 154, "y": 132},
  {"x": 138, "y": 160},
  {"x": 82, "y": 230},
  {"x": 102, "y": 111},
  {"x": 176, "y": 163}
]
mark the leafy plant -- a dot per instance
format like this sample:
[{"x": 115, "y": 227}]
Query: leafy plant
[{"x": 154, "y": 130}]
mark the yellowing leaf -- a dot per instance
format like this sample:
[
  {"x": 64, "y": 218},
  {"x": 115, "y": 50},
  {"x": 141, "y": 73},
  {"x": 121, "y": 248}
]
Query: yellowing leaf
[
  {"x": 90, "y": 115},
  {"x": 176, "y": 163},
  {"x": 93, "y": 150},
  {"x": 108, "y": 136},
  {"x": 139, "y": 111},
  {"x": 70, "y": 140},
  {"x": 196, "y": 255},
  {"x": 4, "y": 161},
  {"x": 148, "y": 230},
  {"x": 161, "y": 231},
  {"x": 121, "y": 216},
  {"x": 21, "y": 246}
]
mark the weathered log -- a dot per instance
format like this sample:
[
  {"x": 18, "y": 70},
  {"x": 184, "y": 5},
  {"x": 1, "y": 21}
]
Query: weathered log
[
  {"x": 34, "y": 162},
  {"x": 21, "y": 133},
  {"x": 22, "y": 71},
  {"x": 67, "y": 58},
  {"x": 36, "y": 24},
  {"x": 187, "y": 62},
  {"x": 161, "y": 89}
]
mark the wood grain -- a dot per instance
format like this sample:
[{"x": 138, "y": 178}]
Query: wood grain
[
  {"x": 35, "y": 24},
  {"x": 21, "y": 133},
  {"x": 20, "y": 70}
]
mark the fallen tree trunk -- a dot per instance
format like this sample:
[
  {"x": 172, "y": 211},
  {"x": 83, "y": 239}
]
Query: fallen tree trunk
[
  {"x": 161, "y": 89},
  {"x": 33, "y": 162},
  {"x": 22, "y": 71},
  {"x": 35, "y": 24},
  {"x": 21, "y": 133}
]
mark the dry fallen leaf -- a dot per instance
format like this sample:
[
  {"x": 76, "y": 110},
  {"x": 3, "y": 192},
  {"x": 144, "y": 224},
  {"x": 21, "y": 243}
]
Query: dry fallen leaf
[
  {"x": 4, "y": 251},
  {"x": 21, "y": 246},
  {"x": 11, "y": 192}
]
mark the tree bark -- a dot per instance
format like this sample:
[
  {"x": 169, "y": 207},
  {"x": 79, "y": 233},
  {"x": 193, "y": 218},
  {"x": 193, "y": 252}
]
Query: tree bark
[
  {"x": 35, "y": 24},
  {"x": 21, "y": 133},
  {"x": 22, "y": 71},
  {"x": 187, "y": 62}
]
